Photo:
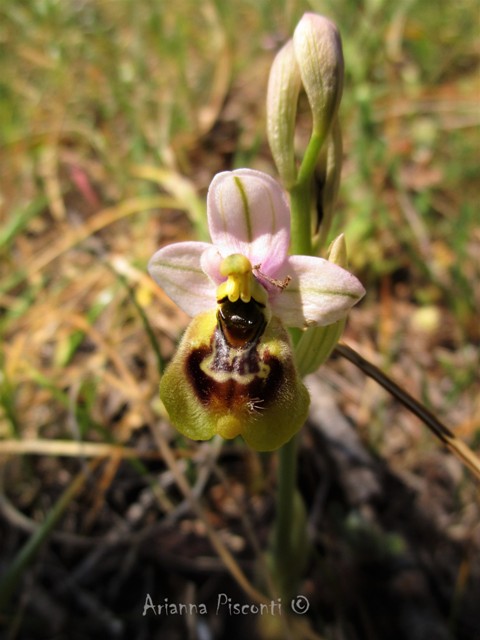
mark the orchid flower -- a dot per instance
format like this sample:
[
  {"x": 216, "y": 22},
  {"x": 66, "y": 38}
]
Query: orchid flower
[{"x": 234, "y": 372}]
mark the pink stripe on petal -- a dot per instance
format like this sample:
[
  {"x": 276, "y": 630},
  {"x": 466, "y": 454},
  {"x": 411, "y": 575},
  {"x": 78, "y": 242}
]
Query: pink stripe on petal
[
  {"x": 176, "y": 268},
  {"x": 248, "y": 214}
]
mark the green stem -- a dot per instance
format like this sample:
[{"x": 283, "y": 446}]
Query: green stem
[
  {"x": 286, "y": 555},
  {"x": 287, "y": 476},
  {"x": 310, "y": 158},
  {"x": 300, "y": 220},
  {"x": 301, "y": 198}
]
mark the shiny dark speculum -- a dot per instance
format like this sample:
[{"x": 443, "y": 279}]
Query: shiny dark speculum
[{"x": 241, "y": 322}]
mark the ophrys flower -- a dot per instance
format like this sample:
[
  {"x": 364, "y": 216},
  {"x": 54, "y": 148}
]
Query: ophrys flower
[{"x": 234, "y": 371}]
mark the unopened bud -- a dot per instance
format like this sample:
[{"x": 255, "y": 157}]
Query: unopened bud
[
  {"x": 282, "y": 97},
  {"x": 337, "y": 252},
  {"x": 318, "y": 51},
  {"x": 316, "y": 345}
]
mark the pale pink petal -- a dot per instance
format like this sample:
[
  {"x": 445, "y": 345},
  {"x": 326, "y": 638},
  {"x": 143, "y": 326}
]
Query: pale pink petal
[
  {"x": 210, "y": 263},
  {"x": 176, "y": 268},
  {"x": 319, "y": 293},
  {"x": 248, "y": 214}
]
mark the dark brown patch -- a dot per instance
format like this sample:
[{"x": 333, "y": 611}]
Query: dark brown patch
[
  {"x": 202, "y": 384},
  {"x": 231, "y": 394},
  {"x": 266, "y": 389}
]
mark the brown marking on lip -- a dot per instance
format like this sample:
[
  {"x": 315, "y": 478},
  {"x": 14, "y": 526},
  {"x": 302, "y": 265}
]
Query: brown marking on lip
[
  {"x": 202, "y": 384},
  {"x": 232, "y": 394}
]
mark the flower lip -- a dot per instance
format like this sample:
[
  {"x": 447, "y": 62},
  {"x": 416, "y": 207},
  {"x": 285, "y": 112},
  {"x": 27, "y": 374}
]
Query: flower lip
[{"x": 249, "y": 222}]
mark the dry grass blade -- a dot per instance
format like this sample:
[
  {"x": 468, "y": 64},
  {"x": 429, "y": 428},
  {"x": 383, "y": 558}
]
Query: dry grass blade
[
  {"x": 291, "y": 628},
  {"x": 222, "y": 72},
  {"x": 103, "y": 219},
  {"x": 67, "y": 448},
  {"x": 181, "y": 189}
]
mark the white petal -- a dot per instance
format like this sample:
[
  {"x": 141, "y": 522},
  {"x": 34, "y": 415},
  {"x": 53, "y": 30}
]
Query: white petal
[
  {"x": 319, "y": 292},
  {"x": 176, "y": 268}
]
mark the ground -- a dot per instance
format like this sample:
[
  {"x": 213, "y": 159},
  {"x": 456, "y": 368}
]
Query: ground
[{"x": 114, "y": 119}]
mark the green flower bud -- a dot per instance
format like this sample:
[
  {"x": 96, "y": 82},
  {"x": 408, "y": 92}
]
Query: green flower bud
[
  {"x": 282, "y": 97},
  {"x": 337, "y": 252},
  {"x": 318, "y": 51}
]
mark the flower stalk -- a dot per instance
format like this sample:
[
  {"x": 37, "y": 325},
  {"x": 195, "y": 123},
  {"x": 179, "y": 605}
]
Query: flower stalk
[{"x": 314, "y": 54}]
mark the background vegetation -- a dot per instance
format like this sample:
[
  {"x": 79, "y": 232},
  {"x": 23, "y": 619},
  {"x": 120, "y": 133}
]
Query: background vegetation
[{"x": 114, "y": 117}]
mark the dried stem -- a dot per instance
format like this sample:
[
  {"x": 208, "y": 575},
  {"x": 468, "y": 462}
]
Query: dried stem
[{"x": 443, "y": 433}]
